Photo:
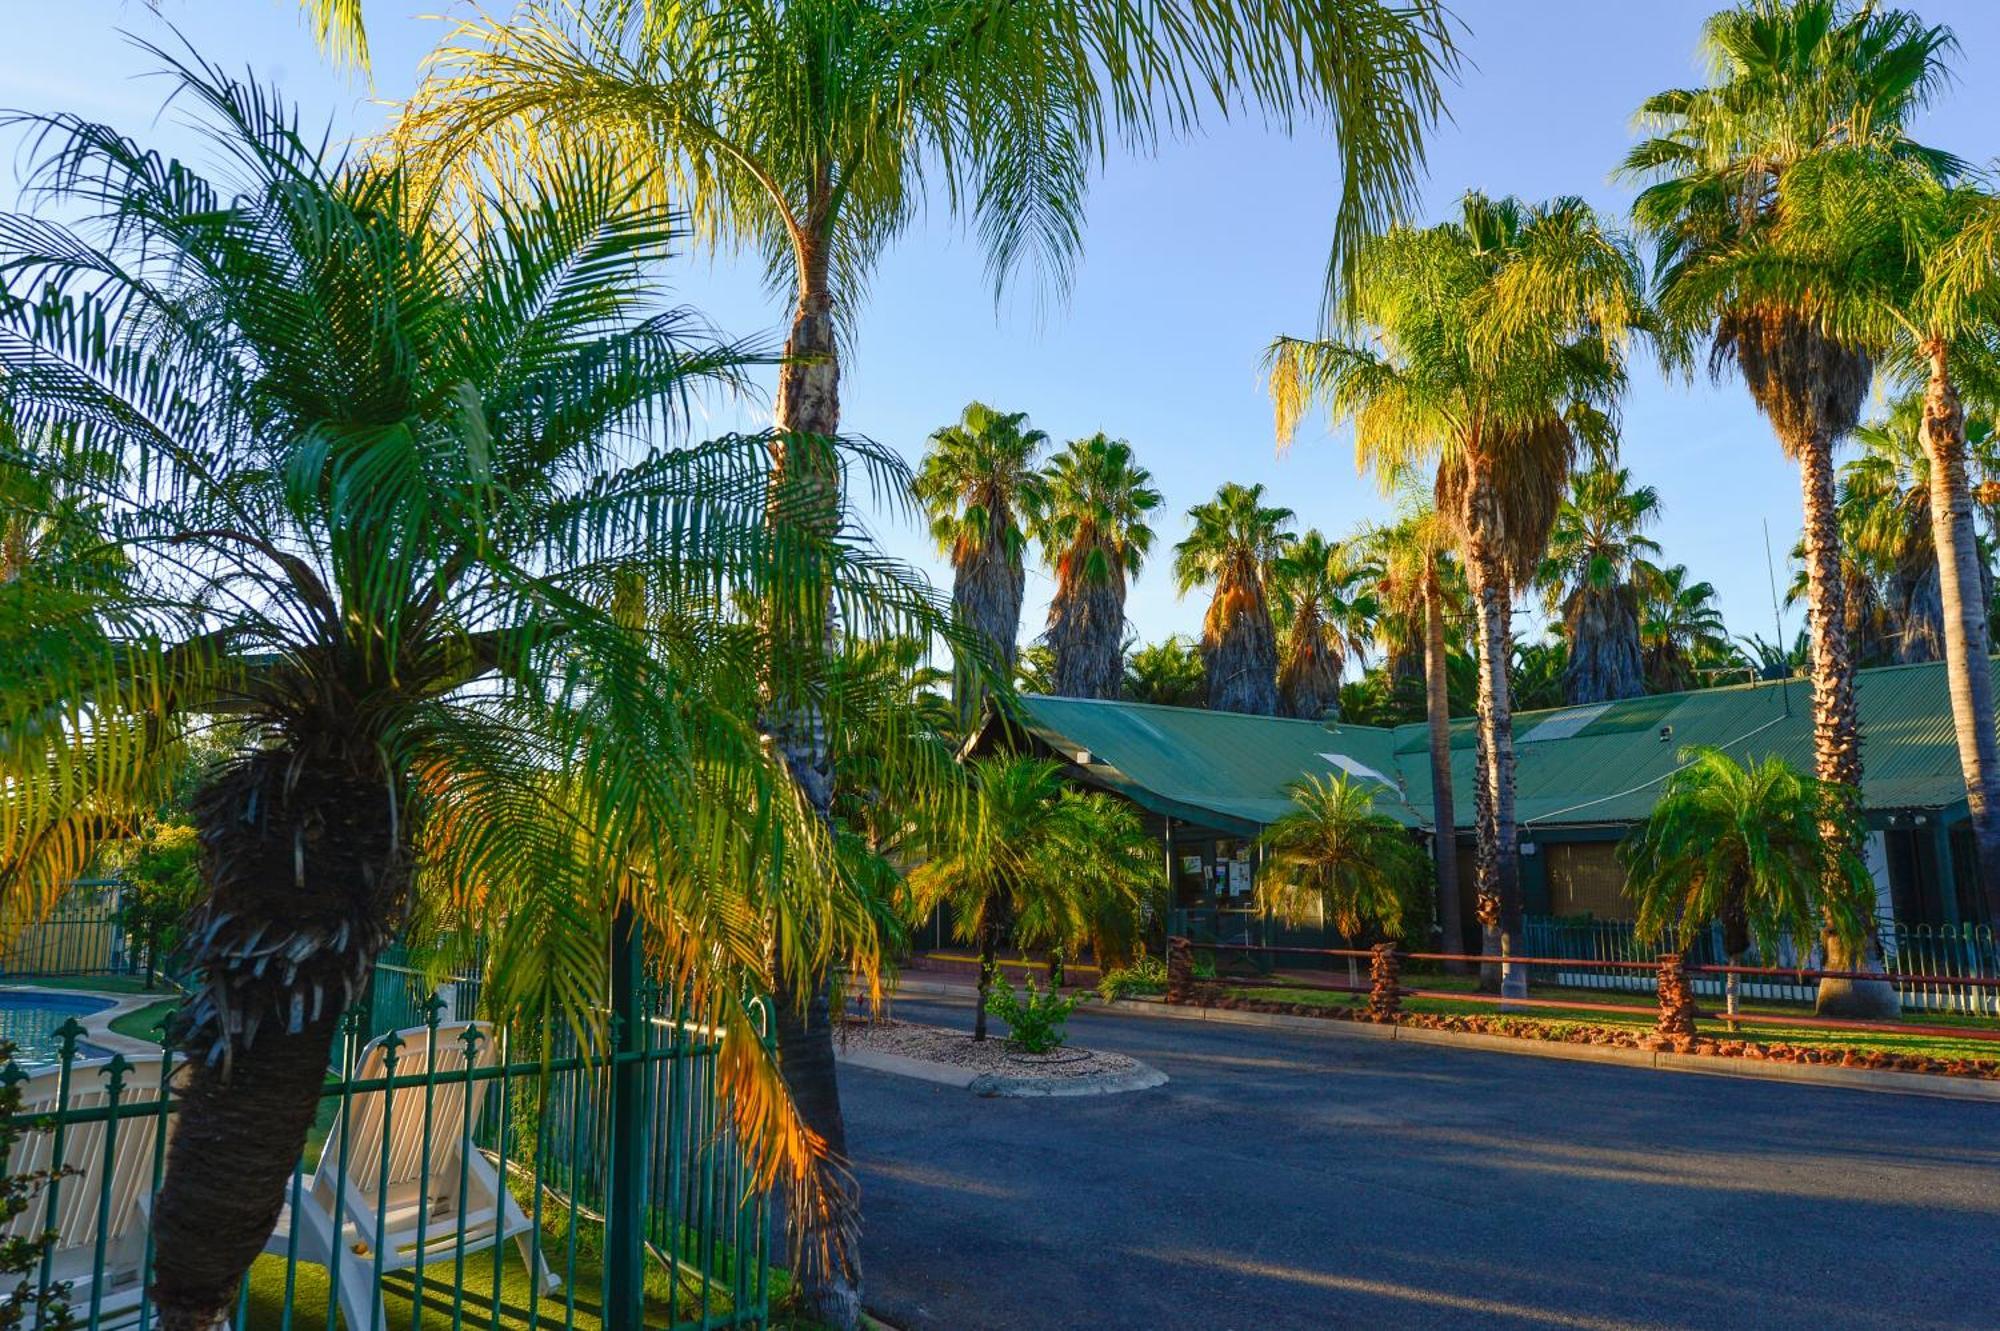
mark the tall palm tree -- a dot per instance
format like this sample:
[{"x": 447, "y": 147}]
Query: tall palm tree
[
  {"x": 1587, "y": 580},
  {"x": 1093, "y": 532},
  {"x": 398, "y": 501},
  {"x": 1742, "y": 844},
  {"x": 1420, "y": 582},
  {"x": 1680, "y": 628},
  {"x": 812, "y": 132},
  {"x": 1332, "y": 856},
  {"x": 1169, "y": 673},
  {"x": 1919, "y": 260},
  {"x": 1793, "y": 78},
  {"x": 1235, "y": 540},
  {"x": 1324, "y": 614},
  {"x": 1491, "y": 345},
  {"x": 979, "y": 482}
]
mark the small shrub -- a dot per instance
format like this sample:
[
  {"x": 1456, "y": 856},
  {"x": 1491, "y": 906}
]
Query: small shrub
[
  {"x": 1034, "y": 1025},
  {"x": 1147, "y": 975}
]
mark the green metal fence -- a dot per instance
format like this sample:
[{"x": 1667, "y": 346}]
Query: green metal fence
[
  {"x": 459, "y": 1175},
  {"x": 83, "y": 936}
]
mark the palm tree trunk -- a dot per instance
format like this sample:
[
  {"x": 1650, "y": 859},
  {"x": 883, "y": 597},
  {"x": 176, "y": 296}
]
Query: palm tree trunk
[
  {"x": 305, "y": 865},
  {"x": 989, "y": 966},
  {"x": 1437, "y": 711},
  {"x": 238, "y": 1137},
  {"x": 1500, "y": 880},
  {"x": 807, "y": 412},
  {"x": 1836, "y": 728},
  {"x": 1967, "y": 672}
]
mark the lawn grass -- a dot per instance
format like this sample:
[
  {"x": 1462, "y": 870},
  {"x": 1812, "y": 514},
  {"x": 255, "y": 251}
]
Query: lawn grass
[
  {"x": 1645, "y": 1011},
  {"x": 144, "y": 1023}
]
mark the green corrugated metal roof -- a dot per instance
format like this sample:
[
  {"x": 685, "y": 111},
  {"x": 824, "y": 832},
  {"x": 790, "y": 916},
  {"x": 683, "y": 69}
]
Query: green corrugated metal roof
[
  {"x": 1588, "y": 765},
  {"x": 1218, "y": 768}
]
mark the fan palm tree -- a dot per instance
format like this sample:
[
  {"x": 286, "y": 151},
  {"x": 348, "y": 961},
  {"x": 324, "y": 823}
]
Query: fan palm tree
[
  {"x": 1680, "y": 627},
  {"x": 1491, "y": 345},
  {"x": 1235, "y": 541},
  {"x": 979, "y": 482},
  {"x": 1793, "y": 79},
  {"x": 1094, "y": 534},
  {"x": 395, "y": 505},
  {"x": 1587, "y": 580},
  {"x": 1420, "y": 582},
  {"x": 1028, "y": 863},
  {"x": 1883, "y": 506},
  {"x": 1332, "y": 856},
  {"x": 1743, "y": 844},
  {"x": 1169, "y": 673},
  {"x": 813, "y": 131},
  {"x": 1324, "y": 614}
]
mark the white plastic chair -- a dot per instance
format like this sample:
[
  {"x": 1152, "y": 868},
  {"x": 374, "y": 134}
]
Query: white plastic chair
[
  {"x": 373, "y": 1221},
  {"x": 119, "y": 1284}
]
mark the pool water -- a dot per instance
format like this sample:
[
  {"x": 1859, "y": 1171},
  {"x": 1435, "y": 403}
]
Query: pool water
[{"x": 30, "y": 1021}]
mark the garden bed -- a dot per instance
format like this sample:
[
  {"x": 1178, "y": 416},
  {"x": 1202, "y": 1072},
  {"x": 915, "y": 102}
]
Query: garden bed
[
  {"x": 1942, "y": 1057},
  {"x": 992, "y": 1066}
]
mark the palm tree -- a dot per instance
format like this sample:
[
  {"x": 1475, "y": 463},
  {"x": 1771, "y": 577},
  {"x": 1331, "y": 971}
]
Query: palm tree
[
  {"x": 1324, "y": 615},
  {"x": 1793, "y": 78},
  {"x": 1093, "y": 532},
  {"x": 396, "y": 504},
  {"x": 1587, "y": 580},
  {"x": 1743, "y": 845},
  {"x": 1169, "y": 673},
  {"x": 1919, "y": 259},
  {"x": 1030, "y": 862},
  {"x": 1491, "y": 345},
  {"x": 1883, "y": 507},
  {"x": 1680, "y": 628},
  {"x": 1235, "y": 541},
  {"x": 1539, "y": 674},
  {"x": 1111, "y": 866},
  {"x": 813, "y": 131},
  {"x": 979, "y": 482},
  {"x": 1333, "y": 857},
  {"x": 1420, "y": 582}
]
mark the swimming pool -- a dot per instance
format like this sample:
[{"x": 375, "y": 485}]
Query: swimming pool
[{"x": 30, "y": 1020}]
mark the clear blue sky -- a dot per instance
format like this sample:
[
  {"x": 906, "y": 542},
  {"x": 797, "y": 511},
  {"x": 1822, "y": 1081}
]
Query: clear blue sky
[{"x": 1193, "y": 260}]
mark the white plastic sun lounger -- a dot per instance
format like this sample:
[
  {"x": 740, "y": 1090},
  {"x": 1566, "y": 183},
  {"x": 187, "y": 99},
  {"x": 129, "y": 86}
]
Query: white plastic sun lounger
[
  {"x": 81, "y": 1209},
  {"x": 415, "y": 1214}
]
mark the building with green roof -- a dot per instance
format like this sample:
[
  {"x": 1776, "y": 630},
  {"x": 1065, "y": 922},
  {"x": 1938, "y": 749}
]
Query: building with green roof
[{"x": 1209, "y": 781}]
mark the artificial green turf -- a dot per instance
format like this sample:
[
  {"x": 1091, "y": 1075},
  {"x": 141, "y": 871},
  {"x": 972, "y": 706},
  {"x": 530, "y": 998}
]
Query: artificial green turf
[
  {"x": 102, "y": 984},
  {"x": 1644, "y": 1012},
  {"x": 144, "y": 1024}
]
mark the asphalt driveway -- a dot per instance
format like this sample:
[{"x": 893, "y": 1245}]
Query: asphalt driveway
[{"x": 1292, "y": 1180}]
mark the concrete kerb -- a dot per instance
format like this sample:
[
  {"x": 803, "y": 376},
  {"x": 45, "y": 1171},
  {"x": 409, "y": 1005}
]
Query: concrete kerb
[{"x": 1853, "y": 1079}]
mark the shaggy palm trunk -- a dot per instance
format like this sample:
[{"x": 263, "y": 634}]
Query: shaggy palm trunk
[
  {"x": 1309, "y": 672},
  {"x": 1836, "y": 731},
  {"x": 1241, "y": 652},
  {"x": 1437, "y": 712},
  {"x": 1499, "y": 863},
  {"x": 1920, "y": 610},
  {"x": 308, "y": 874},
  {"x": 807, "y": 414},
  {"x": 1968, "y": 674},
  {"x": 1087, "y": 634},
  {"x": 1604, "y": 661},
  {"x": 986, "y": 590}
]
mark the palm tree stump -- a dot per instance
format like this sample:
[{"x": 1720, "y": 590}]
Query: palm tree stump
[
  {"x": 1677, "y": 1005},
  {"x": 1385, "y": 990}
]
